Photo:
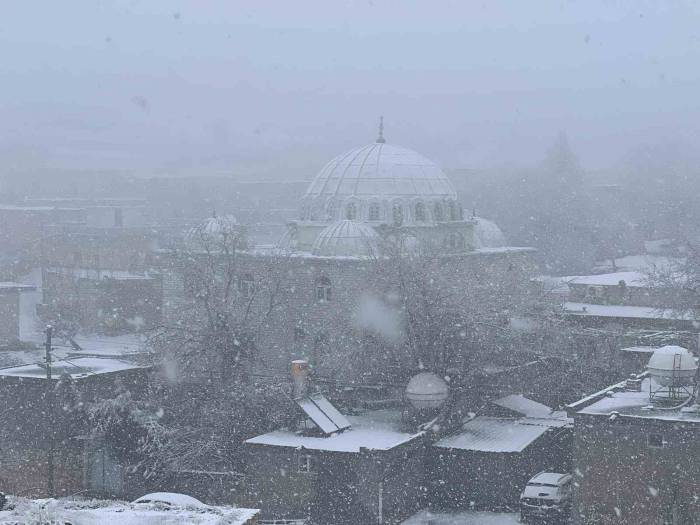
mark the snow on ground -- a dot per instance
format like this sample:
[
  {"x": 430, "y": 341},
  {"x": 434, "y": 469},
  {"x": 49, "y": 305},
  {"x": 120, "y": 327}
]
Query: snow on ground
[
  {"x": 100, "y": 512},
  {"x": 426, "y": 517}
]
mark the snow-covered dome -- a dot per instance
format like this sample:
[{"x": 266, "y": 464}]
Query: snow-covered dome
[
  {"x": 672, "y": 364},
  {"x": 212, "y": 229},
  {"x": 426, "y": 391},
  {"x": 381, "y": 182},
  {"x": 346, "y": 238},
  {"x": 487, "y": 234}
]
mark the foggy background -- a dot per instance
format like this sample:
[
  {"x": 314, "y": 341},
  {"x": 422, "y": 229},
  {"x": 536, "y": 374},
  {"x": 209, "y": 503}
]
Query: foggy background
[{"x": 275, "y": 89}]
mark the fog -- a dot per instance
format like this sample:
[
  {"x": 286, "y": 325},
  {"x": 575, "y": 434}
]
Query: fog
[{"x": 271, "y": 89}]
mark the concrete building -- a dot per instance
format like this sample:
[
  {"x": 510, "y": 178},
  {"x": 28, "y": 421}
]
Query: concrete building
[
  {"x": 488, "y": 461},
  {"x": 636, "y": 448},
  {"x": 10, "y": 311}
]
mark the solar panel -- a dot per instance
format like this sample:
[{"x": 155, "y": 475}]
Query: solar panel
[
  {"x": 330, "y": 411},
  {"x": 324, "y": 415},
  {"x": 317, "y": 416}
]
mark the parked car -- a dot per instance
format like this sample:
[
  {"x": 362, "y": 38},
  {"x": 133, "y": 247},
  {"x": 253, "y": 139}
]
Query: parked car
[
  {"x": 170, "y": 499},
  {"x": 546, "y": 498}
]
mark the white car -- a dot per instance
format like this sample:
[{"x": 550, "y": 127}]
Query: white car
[
  {"x": 170, "y": 499},
  {"x": 546, "y": 498}
]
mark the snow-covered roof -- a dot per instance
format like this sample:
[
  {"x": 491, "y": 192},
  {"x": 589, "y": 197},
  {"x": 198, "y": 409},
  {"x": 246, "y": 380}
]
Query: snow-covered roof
[
  {"x": 90, "y": 273},
  {"x": 77, "y": 368},
  {"x": 374, "y": 430},
  {"x": 522, "y": 405},
  {"x": 9, "y": 286},
  {"x": 497, "y": 434},
  {"x": 631, "y": 279},
  {"x": 463, "y": 517},
  {"x": 636, "y": 263},
  {"x": 617, "y": 400},
  {"x": 99, "y": 512},
  {"x": 624, "y": 312}
]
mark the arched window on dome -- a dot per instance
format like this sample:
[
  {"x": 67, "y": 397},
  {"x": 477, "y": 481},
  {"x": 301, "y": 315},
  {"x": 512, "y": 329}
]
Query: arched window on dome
[
  {"x": 246, "y": 285},
  {"x": 330, "y": 210},
  {"x": 419, "y": 212},
  {"x": 397, "y": 214},
  {"x": 351, "y": 211},
  {"x": 454, "y": 211},
  {"x": 438, "y": 212},
  {"x": 323, "y": 289},
  {"x": 374, "y": 212}
]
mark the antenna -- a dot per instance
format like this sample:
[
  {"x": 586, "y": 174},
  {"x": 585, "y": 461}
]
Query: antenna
[{"x": 380, "y": 138}]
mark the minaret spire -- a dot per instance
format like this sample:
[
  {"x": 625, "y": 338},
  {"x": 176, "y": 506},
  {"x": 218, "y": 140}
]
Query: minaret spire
[{"x": 380, "y": 138}]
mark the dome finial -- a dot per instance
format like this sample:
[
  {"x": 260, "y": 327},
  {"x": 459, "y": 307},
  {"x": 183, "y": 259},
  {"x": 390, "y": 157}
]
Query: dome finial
[{"x": 380, "y": 138}]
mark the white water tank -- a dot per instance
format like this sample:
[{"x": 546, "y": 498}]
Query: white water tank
[
  {"x": 672, "y": 366},
  {"x": 427, "y": 391}
]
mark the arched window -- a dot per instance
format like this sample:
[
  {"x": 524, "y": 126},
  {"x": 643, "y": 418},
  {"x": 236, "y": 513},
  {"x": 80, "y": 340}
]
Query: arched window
[
  {"x": 454, "y": 241},
  {"x": 454, "y": 211},
  {"x": 246, "y": 285},
  {"x": 438, "y": 212},
  {"x": 374, "y": 211},
  {"x": 323, "y": 289},
  {"x": 351, "y": 211},
  {"x": 419, "y": 212},
  {"x": 397, "y": 214},
  {"x": 330, "y": 210}
]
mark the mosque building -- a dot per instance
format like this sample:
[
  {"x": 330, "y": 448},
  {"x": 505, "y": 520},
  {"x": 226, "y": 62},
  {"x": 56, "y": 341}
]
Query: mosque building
[{"x": 330, "y": 286}]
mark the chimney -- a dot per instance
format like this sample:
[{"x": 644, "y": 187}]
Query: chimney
[{"x": 300, "y": 375}]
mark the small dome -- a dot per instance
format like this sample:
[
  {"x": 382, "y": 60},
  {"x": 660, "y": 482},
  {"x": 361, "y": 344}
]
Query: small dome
[
  {"x": 672, "y": 365},
  {"x": 487, "y": 234},
  {"x": 426, "y": 391},
  {"x": 212, "y": 229},
  {"x": 346, "y": 239}
]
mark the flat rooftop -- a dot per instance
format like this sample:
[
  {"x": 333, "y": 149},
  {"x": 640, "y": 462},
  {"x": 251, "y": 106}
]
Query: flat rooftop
[
  {"x": 616, "y": 400},
  {"x": 77, "y": 368},
  {"x": 373, "y": 430},
  {"x": 624, "y": 312}
]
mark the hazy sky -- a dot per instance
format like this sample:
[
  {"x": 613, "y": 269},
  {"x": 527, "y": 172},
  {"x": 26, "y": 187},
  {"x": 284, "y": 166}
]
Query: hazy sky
[{"x": 264, "y": 87}]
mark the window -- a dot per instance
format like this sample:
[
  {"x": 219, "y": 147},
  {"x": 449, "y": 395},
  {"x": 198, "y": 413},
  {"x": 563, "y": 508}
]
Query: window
[
  {"x": 454, "y": 241},
  {"x": 246, "y": 285},
  {"x": 351, "y": 211},
  {"x": 330, "y": 210},
  {"x": 419, "y": 212},
  {"x": 374, "y": 211},
  {"x": 305, "y": 464},
  {"x": 454, "y": 211},
  {"x": 323, "y": 289},
  {"x": 438, "y": 212},
  {"x": 655, "y": 441},
  {"x": 397, "y": 214}
]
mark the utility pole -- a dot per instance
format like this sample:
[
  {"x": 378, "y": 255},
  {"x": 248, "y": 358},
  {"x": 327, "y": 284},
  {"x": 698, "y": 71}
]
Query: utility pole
[{"x": 49, "y": 403}]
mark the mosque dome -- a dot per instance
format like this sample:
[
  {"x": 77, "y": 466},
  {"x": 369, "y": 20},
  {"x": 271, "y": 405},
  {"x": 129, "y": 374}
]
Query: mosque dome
[
  {"x": 487, "y": 234},
  {"x": 346, "y": 239},
  {"x": 379, "y": 183},
  {"x": 212, "y": 229}
]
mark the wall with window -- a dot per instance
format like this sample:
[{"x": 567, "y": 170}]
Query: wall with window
[{"x": 635, "y": 470}]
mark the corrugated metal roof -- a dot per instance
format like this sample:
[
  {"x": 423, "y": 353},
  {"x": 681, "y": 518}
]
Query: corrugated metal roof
[{"x": 493, "y": 434}]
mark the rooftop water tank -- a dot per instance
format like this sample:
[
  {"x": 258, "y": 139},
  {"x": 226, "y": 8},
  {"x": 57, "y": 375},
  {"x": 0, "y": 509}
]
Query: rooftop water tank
[
  {"x": 672, "y": 366},
  {"x": 427, "y": 391}
]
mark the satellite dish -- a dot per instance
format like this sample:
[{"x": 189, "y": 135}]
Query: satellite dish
[{"x": 427, "y": 391}]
